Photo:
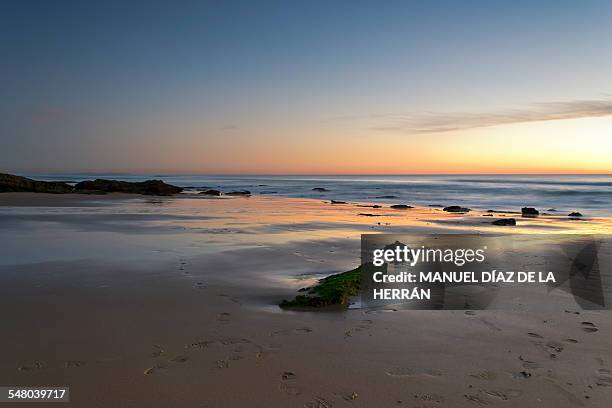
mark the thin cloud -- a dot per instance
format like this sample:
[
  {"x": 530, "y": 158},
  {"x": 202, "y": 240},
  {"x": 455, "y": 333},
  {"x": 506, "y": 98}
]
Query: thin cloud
[{"x": 447, "y": 122}]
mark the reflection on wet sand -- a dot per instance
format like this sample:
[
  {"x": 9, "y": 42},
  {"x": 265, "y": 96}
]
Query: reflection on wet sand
[{"x": 167, "y": 303}]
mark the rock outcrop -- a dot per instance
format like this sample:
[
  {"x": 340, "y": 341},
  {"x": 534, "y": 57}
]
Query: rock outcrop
[
  {"x": 149, "y": 187},
  {"x": 11, "y": 183},
  {"x": 401, "y": 206}
]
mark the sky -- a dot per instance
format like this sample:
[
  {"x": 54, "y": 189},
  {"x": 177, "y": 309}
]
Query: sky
[{"x": 306, "y": 87}]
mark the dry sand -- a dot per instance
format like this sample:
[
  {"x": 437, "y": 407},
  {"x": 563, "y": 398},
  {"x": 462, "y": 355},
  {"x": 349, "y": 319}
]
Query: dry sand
[{"x": 169, "y": 302}]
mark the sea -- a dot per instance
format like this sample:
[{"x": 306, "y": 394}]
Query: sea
[{"x": 590, "y": 195}]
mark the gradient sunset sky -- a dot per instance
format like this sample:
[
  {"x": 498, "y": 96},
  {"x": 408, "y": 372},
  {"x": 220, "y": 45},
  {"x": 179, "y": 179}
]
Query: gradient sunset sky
[{"x": 311, "y": 87}]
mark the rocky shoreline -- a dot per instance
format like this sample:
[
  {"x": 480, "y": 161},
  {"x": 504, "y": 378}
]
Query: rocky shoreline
[{"x": 12, "y": 183}]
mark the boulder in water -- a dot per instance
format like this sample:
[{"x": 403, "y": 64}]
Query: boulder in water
[{"x": 529, "y": 211}]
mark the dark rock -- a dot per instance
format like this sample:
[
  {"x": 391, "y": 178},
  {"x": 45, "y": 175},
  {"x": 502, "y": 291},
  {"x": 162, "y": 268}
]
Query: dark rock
[
  {"x": 269, "y": 192},
  {"x": 11, "y": 183},
  {"x": 338, "y": 202},
  {"x": 551, "y": 210},
  {"x": 320, "y": 189},
  {"x": 371, "y": 206},
  {"x": 487, "y": 215},
  {"x": 401, "y": 207},
  {"x": 574, "y": 214},
  {"x": 529, "y": 211},
  {"x": 456, "y": 209},
  {"x": 386, "y": 196},
  {"x": 369, "y": 215},
  {"x": 149, "y": 187},
  {"x": 435, "y": 205},
  {"x": 212, "y": 192},
  {"x": 239, "y": 193},
  {"x": 504, "y": 222}
]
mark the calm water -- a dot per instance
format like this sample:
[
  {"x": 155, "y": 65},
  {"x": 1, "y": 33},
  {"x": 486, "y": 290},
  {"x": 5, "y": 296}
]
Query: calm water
[{"x": 589, "y": 194}]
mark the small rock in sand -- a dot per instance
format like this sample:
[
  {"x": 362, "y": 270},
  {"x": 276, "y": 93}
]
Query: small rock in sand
[
  {"x": 401, "y": 207},
  {"x": 456, "y": 209}
]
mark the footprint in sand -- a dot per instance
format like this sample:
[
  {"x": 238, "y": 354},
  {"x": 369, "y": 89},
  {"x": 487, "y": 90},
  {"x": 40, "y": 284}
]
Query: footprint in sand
[
  {"x": 158, "y": 351},
  {"x": 74, "y": 364},
  {"x": 199, "y": 345},
  {"x": 604, "y": 377},
  {"x": 475, "y": 399},
  {"x": 503, "y": 394},
  {"x": 350, "y": 396},
  {"x": 156, "y": 369},
  {"x": 223, "y": 317},
  {"x": 229, "y": 341},
  {"x": 555, "y": 346},
  {"x": 264, "y": 352},
  {"x": 429, "y": 398},
  {"x": 285, "y": 332},
  {"x": 529, "y": 364},
  {"x": 589, "y": 327},
  {"x": 364, "y": 325},
  {"x": 319, "y": 402},
  {"x": 490, "y": 325},
  {"x": 288, "y": 385},
  {"x": 535, "y": 335},
  {"x": 412, "y": 372},
  {"x": 222, "y": 364},
  {"x": 484, "y": 375},
  {"x": 36, "y": 365},
  {"x": 199, "y": 285},
  {"x": 573, "y": 341},
  {"x": 521, "y": 375},
  {"x": 179, "y": 359}
]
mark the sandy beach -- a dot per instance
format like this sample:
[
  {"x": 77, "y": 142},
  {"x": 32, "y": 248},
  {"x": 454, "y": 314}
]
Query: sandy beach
[{"x": 139, "y": 301}]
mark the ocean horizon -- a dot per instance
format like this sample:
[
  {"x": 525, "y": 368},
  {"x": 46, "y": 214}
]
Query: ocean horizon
[{"x": 590, "y": 194}]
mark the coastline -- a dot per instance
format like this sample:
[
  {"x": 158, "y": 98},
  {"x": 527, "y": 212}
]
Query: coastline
[{"x": 158, "y": 297}]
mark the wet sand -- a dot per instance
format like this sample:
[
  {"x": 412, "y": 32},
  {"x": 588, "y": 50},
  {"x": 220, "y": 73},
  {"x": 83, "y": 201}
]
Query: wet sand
[{"x": 162, "y": 302}]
